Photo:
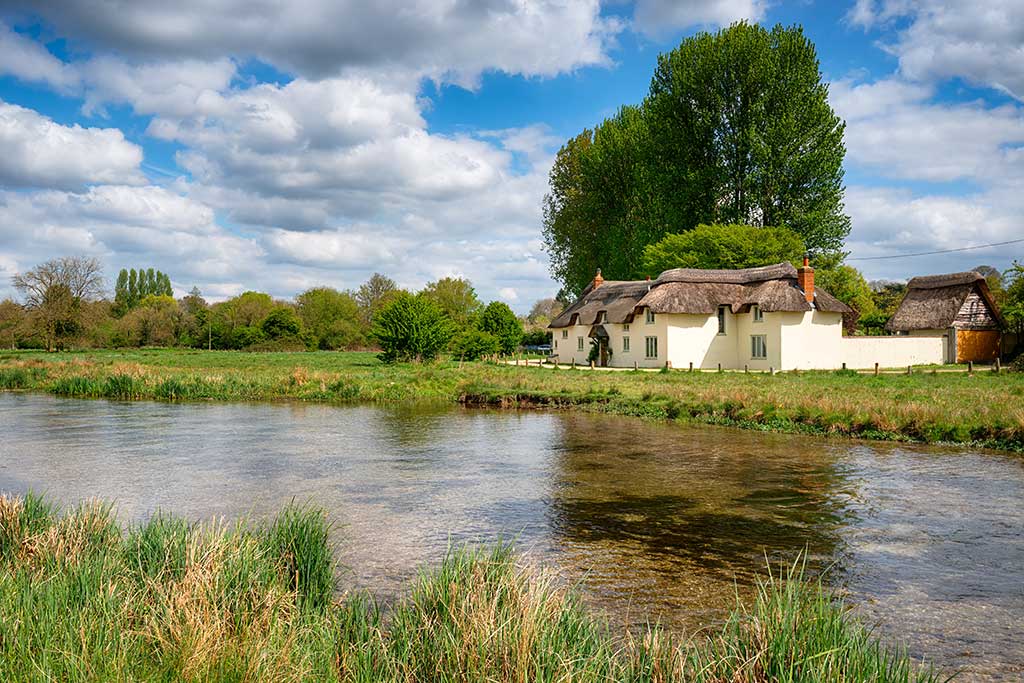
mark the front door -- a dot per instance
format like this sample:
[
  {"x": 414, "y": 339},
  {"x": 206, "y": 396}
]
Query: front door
[{"x": 604, "y": 352}]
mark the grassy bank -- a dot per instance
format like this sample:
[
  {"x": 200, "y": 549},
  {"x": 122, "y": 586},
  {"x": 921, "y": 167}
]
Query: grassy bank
[
  {"x": 983, "y": 409},
  {"x": 81, "y": 599}
]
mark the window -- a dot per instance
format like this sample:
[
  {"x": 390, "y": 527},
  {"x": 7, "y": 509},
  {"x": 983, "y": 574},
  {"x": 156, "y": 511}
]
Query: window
[
  {"x": 602, "y": 318},
  {"x": 625, "y": 328},
  {"x": 721, "y": 320},
  {"x": 565, "y": 334},
  {"x": 556, "y": 345},
  {"x": 579, "y": 343},
  {"x": 625, "y": 344},
  {"x": 758, "y": 348},
  {"x": 650, "y": 317},
  {"x": 758, "y": 315},
  {"x": 652, "y": 347}
]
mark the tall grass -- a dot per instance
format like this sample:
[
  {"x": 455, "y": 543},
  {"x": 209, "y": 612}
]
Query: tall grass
[{"x": 82, "y": 600}]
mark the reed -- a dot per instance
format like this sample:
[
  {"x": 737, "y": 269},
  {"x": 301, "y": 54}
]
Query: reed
[{"x": 83, "y": 600}]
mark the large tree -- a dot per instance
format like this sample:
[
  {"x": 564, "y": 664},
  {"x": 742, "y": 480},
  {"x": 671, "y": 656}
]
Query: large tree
[
  {"x": 499, "y": 320},
  {"x": 736, "y": 128},
  {"x": 54, "y": 293},
  {"x": 455, "y": 296},
  {"x": 373, "y": 294},
  {"x": 410, "y": 327}
]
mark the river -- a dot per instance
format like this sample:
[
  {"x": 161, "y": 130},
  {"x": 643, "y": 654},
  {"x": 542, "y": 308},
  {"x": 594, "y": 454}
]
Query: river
[{"x": 655, "y": 522}]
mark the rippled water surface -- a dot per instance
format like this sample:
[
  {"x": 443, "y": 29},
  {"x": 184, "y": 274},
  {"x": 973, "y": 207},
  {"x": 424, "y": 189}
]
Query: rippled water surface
[{"x": 657, "y": 522}]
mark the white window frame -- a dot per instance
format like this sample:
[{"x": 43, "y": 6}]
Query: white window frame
[
  {"x": 758, "y": 313},
  {"x": 565, "y": 334},
  {"x": 648, "y": 316},
  {"x": 754, "y": 339},
  {"x": 651, "y": 344},
  {"x": 625, "y": 344},
  {"x": 722, "y": 330},
  {"x": 625, "y": 328},
  {"x": 579, "y": 343}
]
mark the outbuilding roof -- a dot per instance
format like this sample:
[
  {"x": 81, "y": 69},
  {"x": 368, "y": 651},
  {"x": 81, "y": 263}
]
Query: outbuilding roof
[
  {"x": 692, "y": 290},
  {"x": 933, "y": 301}
]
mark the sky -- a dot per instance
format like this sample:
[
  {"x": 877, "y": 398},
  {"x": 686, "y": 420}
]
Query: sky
[{"x": 279, "y": 145}]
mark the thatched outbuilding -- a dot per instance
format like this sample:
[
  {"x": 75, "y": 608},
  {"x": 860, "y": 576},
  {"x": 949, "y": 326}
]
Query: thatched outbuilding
[{"x": 956, "y": 304}]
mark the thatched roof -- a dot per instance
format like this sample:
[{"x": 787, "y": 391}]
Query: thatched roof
[
  {"x": 616, "y": 299},
  {"x": 933, "y": 301},
  {"x": 690, "y": 290}
]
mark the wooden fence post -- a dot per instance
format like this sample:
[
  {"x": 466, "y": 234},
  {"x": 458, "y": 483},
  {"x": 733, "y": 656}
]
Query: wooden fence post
[
  {"x": 719, "y": 367},
  {"x": 668, "y": 364},
  {"x": 691, "y": 366},
  {"x": 876, "y": 369},
  {"x": 909, "y": 371},
  {"x": 771, "y": 370},
  {"x": 970, "y": 367},
  {"x": 746, "y": 369},
  {"x": 997, "y": 368},
  {"x": 636, "y": 366},
  {"x": 844, "y": 366},
  {"x": 574, "y": 363}
]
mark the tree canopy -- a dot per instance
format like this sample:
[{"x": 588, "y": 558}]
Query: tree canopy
[
  {"x": 499, "y": 320},
  {"x": 723, "y": 246},
  {"x": 455, "y": 296},
  {"x": 736, "y": 129}
]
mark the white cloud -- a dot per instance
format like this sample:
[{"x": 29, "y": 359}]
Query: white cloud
[
  {"x": 37, "y": 152},
  {"x": 661, "y": 17},
  {"x": 452, "y": 41},
  {"x": 897, "y": 130},
  {"x": 26, "y": 59},
  {"x": 982, "y": 43}
]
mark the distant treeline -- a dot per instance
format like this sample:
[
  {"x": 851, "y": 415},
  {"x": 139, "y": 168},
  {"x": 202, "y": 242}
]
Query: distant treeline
[{"x": 65, "y": 305}]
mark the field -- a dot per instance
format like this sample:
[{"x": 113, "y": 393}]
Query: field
[
  {"x": 83, "y": 600},
  {"x": 981, "y": 409}
]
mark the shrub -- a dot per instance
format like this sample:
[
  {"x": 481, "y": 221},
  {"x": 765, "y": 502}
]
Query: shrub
[
  {"x": 410, "y": 327},
  {"x": 474, "y": 344},
  {"x": 281, "y": 322}
]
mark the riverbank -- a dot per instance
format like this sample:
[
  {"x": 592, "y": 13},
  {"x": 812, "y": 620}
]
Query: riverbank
[
  {"x": 982, "y": 409},
  {"x": 167, "y": 600}
]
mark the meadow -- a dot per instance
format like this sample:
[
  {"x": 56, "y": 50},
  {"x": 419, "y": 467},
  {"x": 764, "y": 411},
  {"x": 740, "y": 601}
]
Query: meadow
[
  {"x": 83, "y": 599},
  {"x": 980, "y": 409}
]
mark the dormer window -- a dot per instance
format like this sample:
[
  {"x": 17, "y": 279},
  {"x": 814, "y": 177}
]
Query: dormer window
[
  {"x": 721, "y": 320},
  {"x": 758, "y": 315},
  {"x": 602, "y": 317},
  {"x": 649, "y": 319}
]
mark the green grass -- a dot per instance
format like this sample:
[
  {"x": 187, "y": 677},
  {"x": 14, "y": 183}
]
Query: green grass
[
  {"x": 83, "y": 600},
  {"x": 982, "y": 409}
]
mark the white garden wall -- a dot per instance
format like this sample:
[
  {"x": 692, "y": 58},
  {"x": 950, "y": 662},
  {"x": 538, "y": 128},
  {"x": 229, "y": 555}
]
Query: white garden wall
[{"x": 892, "y": 352}]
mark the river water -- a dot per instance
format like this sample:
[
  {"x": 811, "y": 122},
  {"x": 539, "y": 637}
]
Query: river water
[{"x": 655, "y": 522}]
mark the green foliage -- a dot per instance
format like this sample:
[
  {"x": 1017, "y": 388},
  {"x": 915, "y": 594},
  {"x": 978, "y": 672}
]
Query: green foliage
[
  {"x": 331, "y": 317},
  {"x": 736, "y": 129},
  {"x": 455, "y": 297},
  {"x": 474, "y": 344},
  {"x": 536, "y": 337},
  {"x": 1013, "y": 297},
  {"x": 134, "y": 286},
  {"x": 499, "y": 320},
  {"x": 410, "y": 327},
  {"x": 723, "y": 246},
  {"x": 281, "y": 322},
  {"x": 373, "y": 294}
]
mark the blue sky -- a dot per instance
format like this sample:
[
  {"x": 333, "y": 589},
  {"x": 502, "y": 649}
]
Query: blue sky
[{"x": 315, "y": 142}]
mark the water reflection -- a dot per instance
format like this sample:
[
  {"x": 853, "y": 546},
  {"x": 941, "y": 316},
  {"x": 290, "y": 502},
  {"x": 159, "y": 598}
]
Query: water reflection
[{"x": 657, "y": 522}]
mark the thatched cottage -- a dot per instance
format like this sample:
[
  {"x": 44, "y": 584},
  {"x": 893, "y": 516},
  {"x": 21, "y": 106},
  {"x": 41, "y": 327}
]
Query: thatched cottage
[
  {"x": 957, "y": 306},
  {"x": 761, "y": 318}
]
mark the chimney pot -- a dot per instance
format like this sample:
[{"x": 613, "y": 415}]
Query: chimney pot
[
  {"x": 598, "y": 280},
  {"x": 805, "y": 279}
]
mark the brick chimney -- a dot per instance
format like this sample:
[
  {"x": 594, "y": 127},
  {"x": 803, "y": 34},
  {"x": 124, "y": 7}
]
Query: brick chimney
[
  {"x": 598, "y": 280},
  {"x": 805, "y": 278}
]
